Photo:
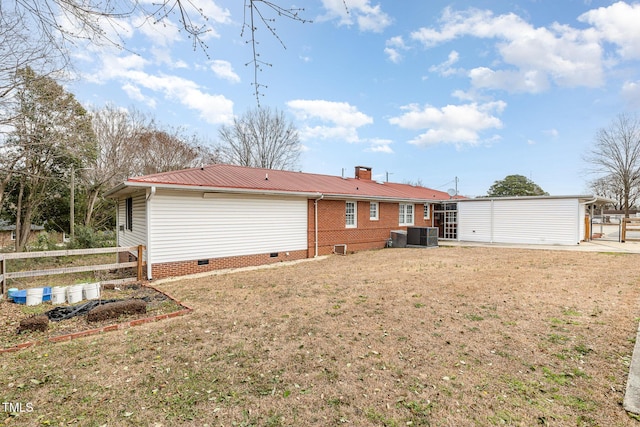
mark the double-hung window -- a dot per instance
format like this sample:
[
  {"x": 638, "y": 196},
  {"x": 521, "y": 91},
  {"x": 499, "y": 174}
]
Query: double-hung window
[
  {"x": 351, "y": 213},
  {"x": 129, "y": 214},
  {"x": 405, "y": 214},
  {"x": 374, "y": 211}
]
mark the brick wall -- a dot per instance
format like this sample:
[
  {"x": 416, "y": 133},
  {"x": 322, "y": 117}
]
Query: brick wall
[
  {"x": 182, "y": 268},
  {"x": 370, "y": 234}
]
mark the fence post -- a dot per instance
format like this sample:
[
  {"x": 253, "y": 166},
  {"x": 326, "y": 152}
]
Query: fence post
[
  {"x": 3, "y": 272},
  {"x": 140, "y": 252}
]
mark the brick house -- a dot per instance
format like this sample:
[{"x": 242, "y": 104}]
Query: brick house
[
  {"x": 223, "y": 216},
  {"x": 8, "y": 234}
]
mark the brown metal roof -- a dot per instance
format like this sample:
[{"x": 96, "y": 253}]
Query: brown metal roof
[{"x": 229, "y": 177}]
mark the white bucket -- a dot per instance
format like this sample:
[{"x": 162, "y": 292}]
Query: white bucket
[
  {"x": 74, "y": 293},
  {"x": 92, "y": 290},
  {"x": 34, "y": 296},
  {"x": 58, "y": 295}
]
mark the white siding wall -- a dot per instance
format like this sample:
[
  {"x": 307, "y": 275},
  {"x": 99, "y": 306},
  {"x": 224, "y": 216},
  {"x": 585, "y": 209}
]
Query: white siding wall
[
  {"x": 137, "y": 236},
  {"x": 541, "y": 221},
  {"x": 474, "y": 221},
  {"x": 186, "y": 226}
]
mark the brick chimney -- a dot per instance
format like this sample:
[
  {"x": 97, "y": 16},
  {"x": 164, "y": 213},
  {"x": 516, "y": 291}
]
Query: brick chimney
[{"x": 363, "y": 172}]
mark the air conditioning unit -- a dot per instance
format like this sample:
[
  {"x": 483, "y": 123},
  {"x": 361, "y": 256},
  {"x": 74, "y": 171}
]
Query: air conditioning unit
[
  {"x": 340, "y": 249},
  {"x": 422, "y": 236},
  {"x": 398, "y": 239}
]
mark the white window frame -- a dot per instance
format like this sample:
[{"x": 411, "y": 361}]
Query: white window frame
[
  {"x": 404, "y": 217},
  {"x": 13, "y": 235},
  {"x": 427, "y": 211},
  {"x": 351, "y": 219},
  {"x": 374, "y": 211}
]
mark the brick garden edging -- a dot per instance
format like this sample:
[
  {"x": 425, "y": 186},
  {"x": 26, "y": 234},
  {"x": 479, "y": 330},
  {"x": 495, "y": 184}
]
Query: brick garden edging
[{"x": 68, "y": 337}]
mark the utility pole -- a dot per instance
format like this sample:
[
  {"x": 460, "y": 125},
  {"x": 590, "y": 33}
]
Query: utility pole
[{"x": 72, "y": 202}]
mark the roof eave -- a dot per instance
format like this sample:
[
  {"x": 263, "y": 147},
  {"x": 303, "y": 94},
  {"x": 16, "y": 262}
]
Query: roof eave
[{"x": 121, "y": 190}]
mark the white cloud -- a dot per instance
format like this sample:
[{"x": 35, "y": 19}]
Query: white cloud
[
  {"x": 631, "y": 93},
  {"x": 368, "y": 17},
  {"x": 129, "y": 70},
  {"x": 617, "y": 24},
  {"x": 531, "y": 81},
  {"x": 215, "y": 109},
  {"x": 553, "y": 133},
  {"x": 532, "y": 57},
  {"x": 378, "y": 145},
  {"x": 445, "y": 69},
  {"x": 336, "y": 120},
  {"x": 136, "y": 94},
  {"x": 224, "y": 70},
  {"x": 160, "y": 34},
  {"x": 393, "y": 48},
  {"x": 452, "y": 124}
]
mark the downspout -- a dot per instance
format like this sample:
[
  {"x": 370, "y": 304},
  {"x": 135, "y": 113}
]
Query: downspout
[
  {"x": 118, "y": 224},
  {"x": 315, "y": 229},
  {"x": 152, "y": 193}
]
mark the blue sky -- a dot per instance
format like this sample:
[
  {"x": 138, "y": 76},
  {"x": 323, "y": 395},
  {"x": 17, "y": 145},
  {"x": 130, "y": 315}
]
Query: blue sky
[{"x": 420, "y": 90}]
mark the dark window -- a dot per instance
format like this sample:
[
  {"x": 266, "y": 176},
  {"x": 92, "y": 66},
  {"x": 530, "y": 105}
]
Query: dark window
[{"x": 129, "y": 214}]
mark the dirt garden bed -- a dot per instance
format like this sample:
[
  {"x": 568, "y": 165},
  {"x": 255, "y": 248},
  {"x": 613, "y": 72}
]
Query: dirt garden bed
[
  {"x": 397, "y": 337},
  {"x": 12, "y": 314}
]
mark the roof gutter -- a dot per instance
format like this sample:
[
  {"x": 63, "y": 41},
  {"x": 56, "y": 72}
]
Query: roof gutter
[{"x": 129, "y": 184}]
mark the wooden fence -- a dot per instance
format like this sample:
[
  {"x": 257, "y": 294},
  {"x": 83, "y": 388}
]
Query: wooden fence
[
  {"x": 4, "y": 257},
  {"x": 629, "y": 224}
]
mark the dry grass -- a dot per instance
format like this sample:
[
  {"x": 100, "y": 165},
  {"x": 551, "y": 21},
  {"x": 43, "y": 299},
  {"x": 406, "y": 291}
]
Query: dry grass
[{"x": 397, "y": 337}]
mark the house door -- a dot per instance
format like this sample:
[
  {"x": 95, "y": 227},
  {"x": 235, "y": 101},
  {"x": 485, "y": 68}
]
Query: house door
[{"x": 445, "y": 217}]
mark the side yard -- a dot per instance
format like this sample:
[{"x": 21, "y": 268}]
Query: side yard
[{"x": 453, "y": 336}]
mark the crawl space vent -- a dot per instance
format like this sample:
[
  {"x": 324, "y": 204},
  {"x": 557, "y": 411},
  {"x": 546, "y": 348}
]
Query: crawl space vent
[{"x": 340, "y": 249}]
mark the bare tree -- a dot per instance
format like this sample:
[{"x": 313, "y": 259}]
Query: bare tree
[
  {"x": 59, "y": 23},
  {"x": 261, "y": 138},
  {"x": 116, "y": 131},
  {"x": 160, "y": 150},
  {"x": 609, "y": 187},
  {"x": 616, "y": 155},
  {"x": 130, "y": 143},
  {"x": 21, "y": 47},
  {"x": 254, "y": 13}
]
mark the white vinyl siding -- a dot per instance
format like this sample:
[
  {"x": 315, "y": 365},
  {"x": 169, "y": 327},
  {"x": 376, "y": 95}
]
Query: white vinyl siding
[
  {"x": 187, "y": 226},
  {"x": 475, "y": 221},
  {"x": 138, "y": 235},
  {"x": 536, "y": 221}
]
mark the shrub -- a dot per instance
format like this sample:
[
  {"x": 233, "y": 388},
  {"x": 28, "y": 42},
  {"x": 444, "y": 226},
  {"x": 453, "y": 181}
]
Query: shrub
[
  {"x": 86, "y": 237},
  {"x": 45, "y": 242}
]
